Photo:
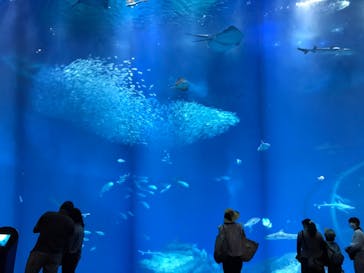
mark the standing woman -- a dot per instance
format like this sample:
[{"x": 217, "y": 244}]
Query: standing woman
[
  {"x": 356, "y": 248},
  {"x": 71, "y": 258},
  {"x": 311, "y": 248},
  {"x": 233, "y": 233}
]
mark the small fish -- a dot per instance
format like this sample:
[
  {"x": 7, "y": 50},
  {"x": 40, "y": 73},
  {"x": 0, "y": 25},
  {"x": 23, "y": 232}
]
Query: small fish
[
  {"x": 223, "y": 178},
  {"x": 86, "y": 239},
  {"x": 166, "y": 158},
  {"x": 107, "y": 187},
  {"x": 93, "y": 248},
  {"x": 145, "y": 204},
  {"x": 281, "y": 235},
  {"x": 251, "y": 222},
  {"x": 99, "y": 232},
  {"x": 124, "y": 216},
  {"x": 120, "y": 160},
  {"x": 267, "y": 223},
  {"x": 84, "y": 215},
  {"x": 21, "y": 199},
  {"x": 238, "y": 161},
  {"x": 321, "y": 178},
  {"x": 87, "y": 232},
  {"x": 166, "y": 188},
  {"x": 130, "y": 213},
  {"x": 263, "y": 146},
  {"x": 142, "y": 195},
  {"x": 122, "y": 178},
  {"x": 153, "y": 187},
  {"x": 183, "y": 183}
]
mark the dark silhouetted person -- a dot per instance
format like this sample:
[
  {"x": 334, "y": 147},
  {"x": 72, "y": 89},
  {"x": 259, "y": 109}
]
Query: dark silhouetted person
[
  {"x": 233, "y": 233},
  {"x": 311, "y": 248},
  {"x": 73, "y": 256},
  {"x": 356, "y": 248},
  {"x": 55, "y": 233},
  {"x": 335, "y": 258}
]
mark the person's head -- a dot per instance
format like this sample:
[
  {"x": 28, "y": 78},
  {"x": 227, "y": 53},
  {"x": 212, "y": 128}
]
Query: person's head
[
  {"x": 354, "y": 222},
  {"x": 231, "y": 215},
  {"x": 330, "y": 235},
  {"x": 76, "y": 216},
  {"x": 305, "y": 222},
  {"x": 67, "y": 206},
  {"x": 309, "y": 226}
]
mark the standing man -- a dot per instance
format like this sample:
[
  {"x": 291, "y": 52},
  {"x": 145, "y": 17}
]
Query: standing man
[{"x": 55, "y": 234}]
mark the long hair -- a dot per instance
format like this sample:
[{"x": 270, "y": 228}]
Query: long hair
[
  {"x": 311, "y": 229},
  {"x": 76, "y": 216}
]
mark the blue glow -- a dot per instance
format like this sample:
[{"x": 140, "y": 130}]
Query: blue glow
[{"x": 4, "y": 238}]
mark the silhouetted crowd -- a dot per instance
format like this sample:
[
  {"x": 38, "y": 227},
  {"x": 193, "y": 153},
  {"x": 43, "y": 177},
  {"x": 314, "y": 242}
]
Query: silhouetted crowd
[{"x": 315, "y": 253}]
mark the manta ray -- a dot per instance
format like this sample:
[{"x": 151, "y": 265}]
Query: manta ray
[{"x": 222, "y": 41}]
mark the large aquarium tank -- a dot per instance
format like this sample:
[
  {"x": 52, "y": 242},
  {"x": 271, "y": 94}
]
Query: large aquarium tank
[{"x": 153, "y": 117}]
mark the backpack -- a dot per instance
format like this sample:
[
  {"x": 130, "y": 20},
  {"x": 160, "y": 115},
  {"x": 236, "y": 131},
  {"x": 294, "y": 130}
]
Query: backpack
[
  {"x": 221, "y": 246},
  {"x": 335, "y": 257}
]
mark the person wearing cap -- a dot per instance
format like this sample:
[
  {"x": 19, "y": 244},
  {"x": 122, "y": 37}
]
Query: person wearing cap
[
  {"x": 234, "y": 233},
  {"x": 311, "y": 248},
  {"x": 356, "y": 248}
]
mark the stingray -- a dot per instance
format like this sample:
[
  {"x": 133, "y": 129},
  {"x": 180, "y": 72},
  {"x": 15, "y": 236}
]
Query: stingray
[{"x": 222, "y": 41}]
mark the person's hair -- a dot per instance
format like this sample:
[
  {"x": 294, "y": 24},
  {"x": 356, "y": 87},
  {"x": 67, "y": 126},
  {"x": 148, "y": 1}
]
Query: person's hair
[
  {"x": 229, "y": 215},
  {"x": 330, "y": 235},
  {"x": 311, "y": 229},
  {"x": 305, "y": 222},
  {"x": 76, "y": 216},
  {"x": 354, "y": 220},
  {"x": 67, "y": 206}
]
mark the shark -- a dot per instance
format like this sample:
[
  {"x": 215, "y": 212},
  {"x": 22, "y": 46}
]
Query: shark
[
  {"x": 281, "y": 235},
  {"x": 333, "y": 50},
  {"x": 132, "y": 3},
  {"x": 336, "y": 205}
]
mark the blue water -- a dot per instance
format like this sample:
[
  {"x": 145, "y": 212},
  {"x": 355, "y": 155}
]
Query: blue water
[{"x": 90, "y": 112}]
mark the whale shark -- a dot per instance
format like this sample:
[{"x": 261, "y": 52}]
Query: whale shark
[{"x": 334, "y": 50}]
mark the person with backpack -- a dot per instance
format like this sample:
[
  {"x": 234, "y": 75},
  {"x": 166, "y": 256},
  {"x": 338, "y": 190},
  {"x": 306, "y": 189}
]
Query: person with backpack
[
  {"x": 335, "y": 258},
  {"x": 229, "y": 243}
]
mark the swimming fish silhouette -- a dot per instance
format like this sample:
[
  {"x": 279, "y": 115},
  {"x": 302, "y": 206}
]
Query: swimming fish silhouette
[{"x": 222, "y": 41}]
